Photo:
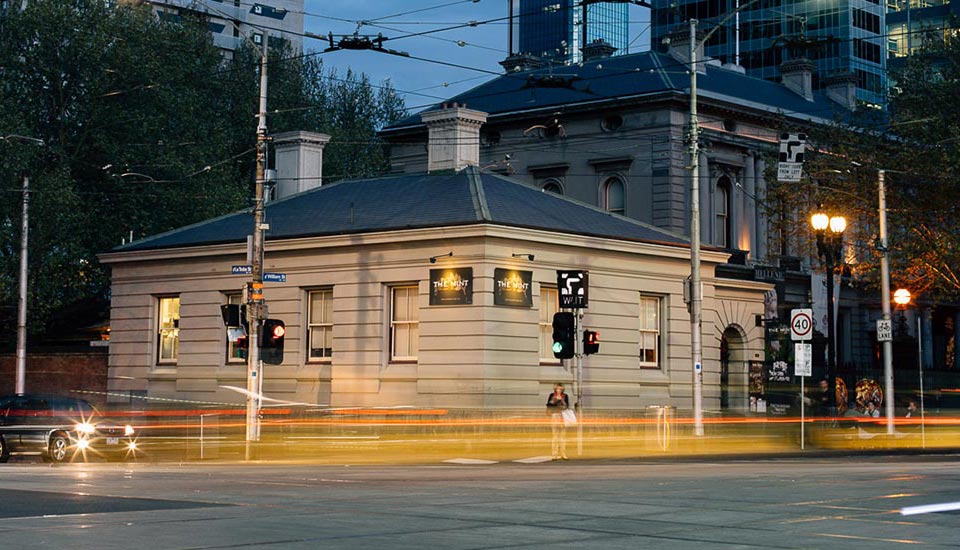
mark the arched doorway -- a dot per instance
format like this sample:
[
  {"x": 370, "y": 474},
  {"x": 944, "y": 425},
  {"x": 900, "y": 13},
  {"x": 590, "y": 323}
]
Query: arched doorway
[{"x": 734, "y": 394}]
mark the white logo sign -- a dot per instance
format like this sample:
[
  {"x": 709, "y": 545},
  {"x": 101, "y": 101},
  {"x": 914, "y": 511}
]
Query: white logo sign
[
  {"x": 801, "y": 325},
  {"x": 574, "y": 288},
  {"x": 790, "y": 167},
  {"x": 884, "y": 330}
]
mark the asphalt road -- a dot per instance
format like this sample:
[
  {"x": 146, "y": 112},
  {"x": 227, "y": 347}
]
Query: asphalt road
[{"x": 847, "y": 502}]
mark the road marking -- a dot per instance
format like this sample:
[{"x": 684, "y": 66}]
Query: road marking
[
  {"x": 470, "y": 461},
  {"x": 930, "y": 508},
  {"x": 534, "y": 460}
]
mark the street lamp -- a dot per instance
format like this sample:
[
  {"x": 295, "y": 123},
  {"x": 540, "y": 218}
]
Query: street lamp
[
  {"x": 829, "y": 231},
  {"x": 902, "y": 297}
]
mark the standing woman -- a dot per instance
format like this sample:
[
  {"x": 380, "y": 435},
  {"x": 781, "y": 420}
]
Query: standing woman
[{"x": 556, "y": 404}]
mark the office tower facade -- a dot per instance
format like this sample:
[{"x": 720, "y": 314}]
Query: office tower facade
[
  {"x": 912, "y": 22},
  {"x": 842, "y": 37},
  {"x": 230, "y": 20},
  {"x": 553, "y": 30}
]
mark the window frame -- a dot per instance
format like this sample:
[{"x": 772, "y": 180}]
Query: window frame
[
  {"x": 721, "y": 219},
  {"x": 229, "y": 357},
  {"x": 657, "y": 331},
  {"x": 160, "y": 361},
  {"x": 545, "y": 324},
  {"x": 608, "y": 183},
  {"x": 393, "y": 322},
  {"x": 326, "y": 325}
]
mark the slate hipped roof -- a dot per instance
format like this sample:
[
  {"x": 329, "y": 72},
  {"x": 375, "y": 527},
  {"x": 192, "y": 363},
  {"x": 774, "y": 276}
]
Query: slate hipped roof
[
  {"x": 413, "y": 201},
  {"x": 625, "y": 77}
]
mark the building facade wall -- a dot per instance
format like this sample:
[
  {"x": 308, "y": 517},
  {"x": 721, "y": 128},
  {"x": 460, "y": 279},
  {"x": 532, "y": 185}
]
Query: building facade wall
[{"x": 470, "y": 356}]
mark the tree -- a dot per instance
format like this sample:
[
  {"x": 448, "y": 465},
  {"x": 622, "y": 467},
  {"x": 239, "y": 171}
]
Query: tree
[
  {"x": 147, "y": 129},
  {"x": 917, "y": 143}
]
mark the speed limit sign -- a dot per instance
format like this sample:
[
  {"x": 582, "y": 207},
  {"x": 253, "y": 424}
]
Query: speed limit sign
[{"x": 801, "y": 325}]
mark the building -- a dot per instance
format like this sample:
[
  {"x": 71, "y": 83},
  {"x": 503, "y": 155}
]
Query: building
[
  {"x": 910, "y": 23},
  {"x": 841, "y": 38},
  {"x": 432, "y": 289},
  {"x": 231, "y": 20},
  {"x": 553, "y": 31}
]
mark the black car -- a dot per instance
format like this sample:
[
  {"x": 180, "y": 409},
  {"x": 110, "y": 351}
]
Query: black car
[{"x": 60, "y": 429}]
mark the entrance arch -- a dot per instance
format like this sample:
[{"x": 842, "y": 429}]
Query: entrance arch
[{"x": 734, "y": 394}]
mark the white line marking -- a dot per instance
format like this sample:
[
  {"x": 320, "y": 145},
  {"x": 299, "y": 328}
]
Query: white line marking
[
  {"x": 930, "y": 508},
  {"x": 470, "y": 461}
]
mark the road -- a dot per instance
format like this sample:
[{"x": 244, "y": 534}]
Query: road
[{"x": 843, "y": 502}]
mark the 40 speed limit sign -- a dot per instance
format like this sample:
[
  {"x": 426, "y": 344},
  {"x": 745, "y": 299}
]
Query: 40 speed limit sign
[{"x": 801, "y": 325}]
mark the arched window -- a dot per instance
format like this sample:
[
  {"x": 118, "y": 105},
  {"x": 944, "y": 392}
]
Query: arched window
[
  {"x": 613, "y": 196},
  {"x": 721, "y": 212},
  {"x": 552, "y": 186}
]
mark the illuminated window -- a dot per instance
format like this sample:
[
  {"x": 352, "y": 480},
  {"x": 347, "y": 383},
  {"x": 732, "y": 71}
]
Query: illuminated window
[
  {"x": 320, "y": 325},
  {"x": 168, "y": 329},
  {"x": 613, "y": 195},
  {"x": 549, "y": 300},
  {"x": 235, "y": 353},
  {"x": 404, "y": 323},
  {"x": 649, "y": 331}
]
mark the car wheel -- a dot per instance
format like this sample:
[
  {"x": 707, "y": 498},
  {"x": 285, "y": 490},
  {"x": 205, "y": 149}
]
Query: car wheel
[
  {"x": 59, "y": 447},
  {"x": 4, "y": 452}
]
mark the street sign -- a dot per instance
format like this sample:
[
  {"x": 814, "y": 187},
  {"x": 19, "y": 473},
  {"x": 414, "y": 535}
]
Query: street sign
[
  {"x": 274, "y": 277},
  {"x": 801, "y": 324},
  {"x": 790, "y": 167},
  {"x": 242, "y": 270},
  {"x": 884, "y": 330},
  {"x": 803, "y": 359},
  {"x": 574, "y": 289}
]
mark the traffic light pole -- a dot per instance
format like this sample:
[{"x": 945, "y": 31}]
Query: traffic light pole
[{"x": 255, "y": 305}]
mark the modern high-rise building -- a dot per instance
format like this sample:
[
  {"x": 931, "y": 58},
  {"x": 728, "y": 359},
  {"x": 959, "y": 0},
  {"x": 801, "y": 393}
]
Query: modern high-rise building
[
  {"x": 557, "y": 30},
  {"x": 912, "y": 22},
  {"x": 843, "y": 37},
  {"x": 231, "y": 20}
]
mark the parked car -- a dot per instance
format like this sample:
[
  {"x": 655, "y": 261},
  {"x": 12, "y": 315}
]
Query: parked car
[{"x": 60, "y": 429}]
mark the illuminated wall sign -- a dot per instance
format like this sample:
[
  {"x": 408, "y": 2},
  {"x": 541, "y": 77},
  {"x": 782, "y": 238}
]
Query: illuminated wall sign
[
  {"x": 451, "y": 286},
  {"x": 512, "y": 288}
]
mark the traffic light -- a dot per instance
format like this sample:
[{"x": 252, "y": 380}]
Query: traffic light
[
  {"x": 271, "y": 341},
  {"x": 564, "y": 335},
  {"x": 591, "y": 342}
]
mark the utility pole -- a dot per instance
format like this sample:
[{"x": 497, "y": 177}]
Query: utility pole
[
  {"x": 885, "y": 302},
  {"x": 22, "y": 309},
  {"x": 696, "y": 304},
  {"x": 255, "y": 305}
]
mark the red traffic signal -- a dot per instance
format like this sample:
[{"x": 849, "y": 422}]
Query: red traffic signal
[
  {"x": 271, "y": 341},
  {"x": 591, "y": 342}
]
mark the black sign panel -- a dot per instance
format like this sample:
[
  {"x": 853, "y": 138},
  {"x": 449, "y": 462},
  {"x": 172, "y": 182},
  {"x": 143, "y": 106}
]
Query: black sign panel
[
  {"x": 512, "y": 288},
  {"x": 574, "y": 289},
  {"x": 451, "y": 286}
]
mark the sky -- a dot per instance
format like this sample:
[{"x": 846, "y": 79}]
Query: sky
[{"x": 423, "y": 82}]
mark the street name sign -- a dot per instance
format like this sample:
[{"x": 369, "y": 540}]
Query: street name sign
[
  {"x": 274, "y": 277},
  {"x": 242, "y": 270}
]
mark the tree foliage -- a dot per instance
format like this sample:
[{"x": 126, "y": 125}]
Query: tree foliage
[
  {"x": 917, "y": 144},
  {"x": 146, "y": 128}
]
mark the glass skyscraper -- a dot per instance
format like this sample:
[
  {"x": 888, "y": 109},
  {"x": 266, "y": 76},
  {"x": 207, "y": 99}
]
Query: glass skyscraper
[
  {"x": 839, "y": 36},
  {"x": 552, "y": 30}
]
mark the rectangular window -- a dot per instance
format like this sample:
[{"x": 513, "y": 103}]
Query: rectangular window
[
  {"x": 320, "y": 325},
  {"x": 236, "y": 351},
  {"x": 649, "y": 332},
  {"x": 404, "y": 323},
  {"x": 549, "y": 301},
  {"x": 168, "y": 330}
]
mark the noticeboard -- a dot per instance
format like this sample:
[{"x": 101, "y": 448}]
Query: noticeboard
[
  {"x": 512, "y": 288},
  {"x": 451, "y": 286}
]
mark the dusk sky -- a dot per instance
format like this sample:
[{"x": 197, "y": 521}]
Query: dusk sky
[{"x": 486, "y": 44}]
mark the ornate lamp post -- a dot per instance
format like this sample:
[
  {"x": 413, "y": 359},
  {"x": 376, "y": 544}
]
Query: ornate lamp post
[{"x": 829, "y": 231}]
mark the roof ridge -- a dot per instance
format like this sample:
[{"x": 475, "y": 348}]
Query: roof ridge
[{"x": 480, "y": 205}]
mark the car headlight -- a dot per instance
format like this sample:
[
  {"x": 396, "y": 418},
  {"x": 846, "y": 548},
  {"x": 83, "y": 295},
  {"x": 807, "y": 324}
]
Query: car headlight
[
  {"x": 85, "y": 428},
  {"x": 83, "y": 444},
  {"x": 128, "y": 430}
]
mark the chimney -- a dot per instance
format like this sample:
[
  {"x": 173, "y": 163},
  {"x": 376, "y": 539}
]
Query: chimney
[
  {"x": 797, "y": 76},
  {"x": 454, "y": 137},
  {"x": 841, "y": 87},
  {"x": 520, "y": 62},
  {"x": 298, "y": 161},
  {"x": 678, "y": 46},
  {"x": 598, "y": 49}
]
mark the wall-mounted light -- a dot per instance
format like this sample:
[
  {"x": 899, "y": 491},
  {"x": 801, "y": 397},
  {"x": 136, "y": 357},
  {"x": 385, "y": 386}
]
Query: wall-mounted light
[
  {"x": 433, "y": 259},
  {"x": 528, "y": 256}
]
